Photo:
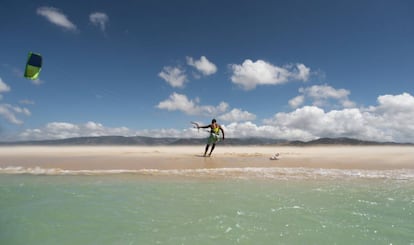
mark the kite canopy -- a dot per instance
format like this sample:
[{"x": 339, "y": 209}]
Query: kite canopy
[{"x": 33, "y": 66}]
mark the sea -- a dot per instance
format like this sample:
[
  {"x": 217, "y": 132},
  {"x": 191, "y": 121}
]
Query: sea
[{"x": 206, "y": 206}]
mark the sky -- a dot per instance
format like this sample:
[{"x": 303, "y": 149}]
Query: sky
[{"x": 295, "y": 70}]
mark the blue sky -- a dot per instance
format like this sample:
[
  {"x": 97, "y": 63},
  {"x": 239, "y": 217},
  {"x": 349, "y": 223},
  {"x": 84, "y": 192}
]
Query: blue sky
[{"x": 280, "y": 69}]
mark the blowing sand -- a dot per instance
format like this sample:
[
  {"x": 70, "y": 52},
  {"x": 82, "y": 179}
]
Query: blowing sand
[{"x": 191, "y": 157}]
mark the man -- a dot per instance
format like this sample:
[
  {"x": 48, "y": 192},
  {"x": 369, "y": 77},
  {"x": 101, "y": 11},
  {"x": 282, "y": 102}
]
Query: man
[{"x": 214, "y": 135}]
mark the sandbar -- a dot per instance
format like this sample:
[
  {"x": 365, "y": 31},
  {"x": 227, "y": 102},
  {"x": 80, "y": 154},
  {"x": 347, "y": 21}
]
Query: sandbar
[{"x": 191, "y": 157}]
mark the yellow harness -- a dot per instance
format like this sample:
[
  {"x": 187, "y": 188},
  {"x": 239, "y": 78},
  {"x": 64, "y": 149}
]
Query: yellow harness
[{"x": 216, "y": 130}]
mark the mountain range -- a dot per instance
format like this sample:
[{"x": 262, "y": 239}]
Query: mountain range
[{"x": 150, "y": 141}]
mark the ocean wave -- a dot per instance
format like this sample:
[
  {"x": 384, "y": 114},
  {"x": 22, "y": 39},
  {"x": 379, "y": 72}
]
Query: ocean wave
[{"x": 241, "y": 173}]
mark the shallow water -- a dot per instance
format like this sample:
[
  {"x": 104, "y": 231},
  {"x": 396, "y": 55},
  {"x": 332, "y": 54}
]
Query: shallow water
[{"x": 177, "y": 208}]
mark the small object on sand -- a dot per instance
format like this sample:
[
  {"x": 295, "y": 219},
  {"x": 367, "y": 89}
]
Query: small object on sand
[{"x": 275, "y": 157}]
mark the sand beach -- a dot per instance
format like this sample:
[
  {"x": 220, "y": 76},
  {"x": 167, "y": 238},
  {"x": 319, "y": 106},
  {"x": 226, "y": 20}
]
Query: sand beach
[{"x": 191, "y": 157}]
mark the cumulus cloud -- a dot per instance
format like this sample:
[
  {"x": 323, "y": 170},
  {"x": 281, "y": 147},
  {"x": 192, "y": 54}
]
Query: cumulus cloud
[
  {"x": 301, "y": 72},
  {"x": 324, "y": 92},
  {"x": 171, "y": 133},
  {"x": 10, "y": 113},
  {"x": 297, "y": 101},
  {"x": 62, "y": 130},
  {"x": 314, "y": 121},
  {"x": 322, "y": 95},
  {"x": 391, "y": 120},
  {"x": 249, "y": 129},
  {"x": 203, "y": 65},
  {"x": 180, "y": 102},
  {"x": 99, "y": 19},
  {"x": 394, "y": 115},
  {"x": 3, "y": 88},
  {"x": 54, "y": 16},
  {"x": 174, "y": 76},
  {"x": 237, "y": 115},
  {"x": 396, "y": 104},
  {"x": 251, "y": 74}
]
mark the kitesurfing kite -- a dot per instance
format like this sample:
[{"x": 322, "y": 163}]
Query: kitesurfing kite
[{"x": 33, "y": 66}]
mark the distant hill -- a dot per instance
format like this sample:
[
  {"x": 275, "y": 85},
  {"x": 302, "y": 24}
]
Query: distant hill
[
  {"x": 100, "y": 140},
  {"x": 140, "y": 140},
  {"x": 150, "y": 141},
  {"x": 342, "y": 141}
]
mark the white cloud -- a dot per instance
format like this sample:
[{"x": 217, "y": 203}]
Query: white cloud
[
  {"x": 251, "y": 74},
  {"x": 27, "y": 102},
  {"x": 62, "y": 130},
  {"x": 302, "y": 73},
  {"x": 10, "y": 112},
  {"x": 249, "y": 129},
  {"x": 54, "y": 16},
  {"x": 396, "y": 104},
  {"x": 237, "y": 115},
  {"x": 37, "y": 82},
  {"x": 173, "y": 76},
  {"x": 391, "y": 120},
  {"x": 324, "y": 92},
  {"x": 3, "y": 87},
  {"x": 315, "y": 121},
  {"x": 171, "y": 133},
  {"x": 297, "y": 101},
  {"x": 99, "y": 19},
  {"x": 180, "y": 102},
  {"x": 394, "y": 115},
  {"x": 177, "y": 77},
  {"x": 321, "y": 95},
  {"x": 203, "y": 65}
]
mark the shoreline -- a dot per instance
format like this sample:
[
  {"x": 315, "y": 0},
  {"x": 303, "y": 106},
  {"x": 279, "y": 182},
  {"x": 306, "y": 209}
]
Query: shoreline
[{"x": 191, "y": 157}]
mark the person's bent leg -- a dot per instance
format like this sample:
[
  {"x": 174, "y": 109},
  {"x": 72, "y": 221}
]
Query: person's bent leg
[
  {"x": 205, "y": 152},
  {"x": 212, "y": 149}
]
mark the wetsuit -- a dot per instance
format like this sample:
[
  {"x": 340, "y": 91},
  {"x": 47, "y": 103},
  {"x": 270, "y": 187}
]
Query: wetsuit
[{"x": 214, "y": 135}]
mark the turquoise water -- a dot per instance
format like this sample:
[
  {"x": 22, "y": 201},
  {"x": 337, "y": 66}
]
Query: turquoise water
[{"x": 206, "y": 207}]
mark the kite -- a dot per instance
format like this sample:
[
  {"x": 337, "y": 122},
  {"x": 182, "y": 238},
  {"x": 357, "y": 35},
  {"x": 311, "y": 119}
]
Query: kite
[{"x": 33, "y": 66}]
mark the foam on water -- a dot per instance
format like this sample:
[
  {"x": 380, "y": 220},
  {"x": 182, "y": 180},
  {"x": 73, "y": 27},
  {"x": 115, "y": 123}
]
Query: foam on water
[
  {"x": 239, "y": 173},
  {"x": 213, "y": 206}
]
